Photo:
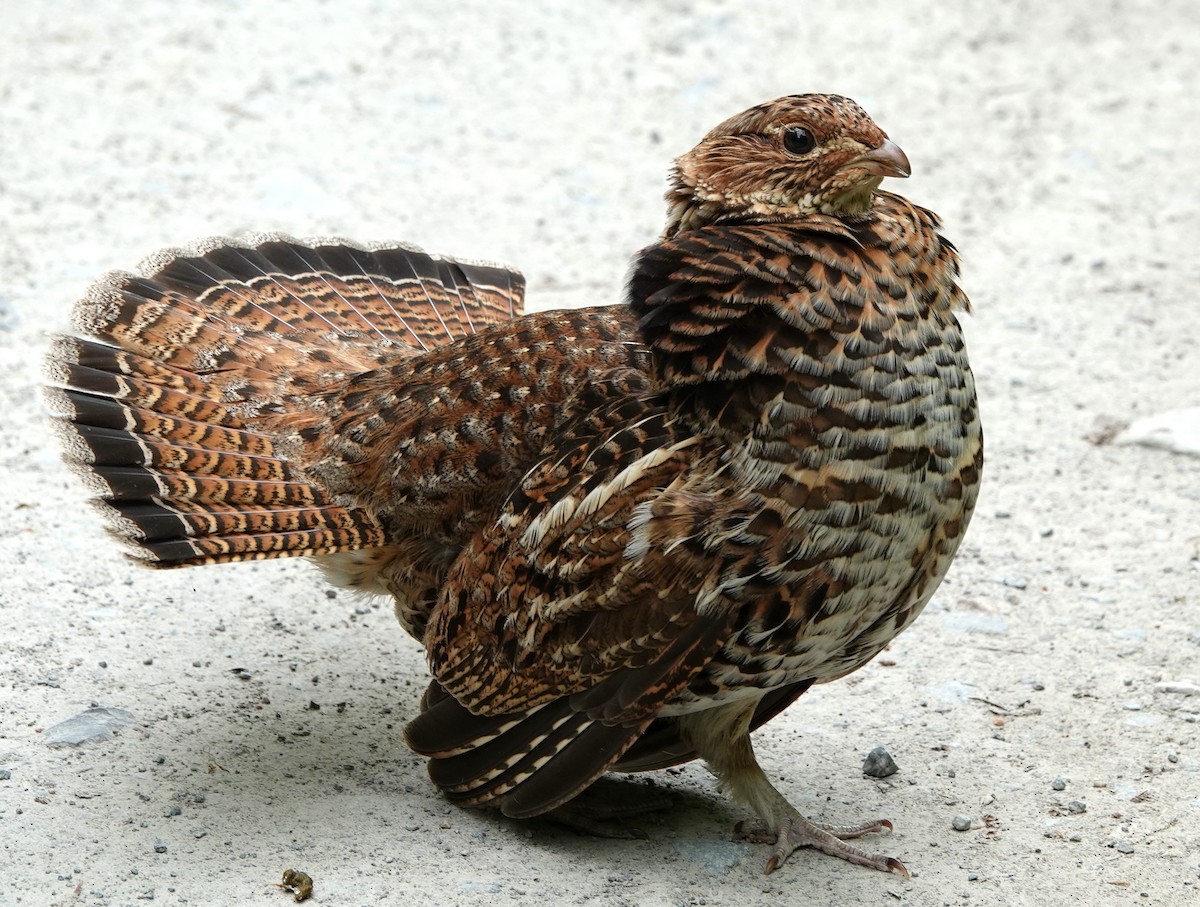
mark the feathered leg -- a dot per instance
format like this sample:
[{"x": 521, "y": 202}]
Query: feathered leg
[{"x": 722, "y": 737}]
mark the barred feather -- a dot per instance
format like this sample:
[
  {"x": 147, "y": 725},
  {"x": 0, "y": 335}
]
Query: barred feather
[{"x": 158, "y": 402}]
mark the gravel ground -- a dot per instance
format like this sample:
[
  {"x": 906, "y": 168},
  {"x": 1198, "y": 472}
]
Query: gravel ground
[{"x": 242, "y": 721}]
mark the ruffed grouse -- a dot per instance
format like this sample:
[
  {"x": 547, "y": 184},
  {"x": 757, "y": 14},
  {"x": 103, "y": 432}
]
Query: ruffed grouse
[{"x": 627, "y": 535}]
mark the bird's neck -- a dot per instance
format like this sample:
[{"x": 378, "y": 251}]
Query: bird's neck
[
  {"x": 687, "y": 212},
  {"x": 744, "y": 301}
]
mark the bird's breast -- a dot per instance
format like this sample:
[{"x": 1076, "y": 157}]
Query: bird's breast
[{"x": 863, "y": 469}]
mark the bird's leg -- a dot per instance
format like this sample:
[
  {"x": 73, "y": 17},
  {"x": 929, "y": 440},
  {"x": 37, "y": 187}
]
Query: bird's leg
[{"x": 722, "y": 736}]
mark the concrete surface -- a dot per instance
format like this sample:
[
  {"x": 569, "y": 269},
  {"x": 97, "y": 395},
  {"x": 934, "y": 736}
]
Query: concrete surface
[{"x": 246, "y": 721}]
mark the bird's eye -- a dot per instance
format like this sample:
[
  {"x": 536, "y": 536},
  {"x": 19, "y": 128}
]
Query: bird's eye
[{"x": 798, "y": 140}]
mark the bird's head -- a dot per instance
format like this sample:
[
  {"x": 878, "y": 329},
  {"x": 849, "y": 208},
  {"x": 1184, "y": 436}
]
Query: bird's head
[{"x": 799, "y": 155}]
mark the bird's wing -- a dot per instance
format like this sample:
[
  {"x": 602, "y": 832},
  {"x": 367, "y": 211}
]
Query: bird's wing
[
  {"x": 614, "y": 571},
  {"x": 619, "y": 569},
  {"x": 570, "y": 620},
  {"x": 587, "y": 584}
]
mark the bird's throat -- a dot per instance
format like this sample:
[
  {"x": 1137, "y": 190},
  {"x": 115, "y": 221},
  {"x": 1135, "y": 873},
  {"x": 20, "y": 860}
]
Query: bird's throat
[{"x": 854, "y": 200}]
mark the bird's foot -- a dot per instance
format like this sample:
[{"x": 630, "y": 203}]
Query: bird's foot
[{"x": 793, "y": 831}]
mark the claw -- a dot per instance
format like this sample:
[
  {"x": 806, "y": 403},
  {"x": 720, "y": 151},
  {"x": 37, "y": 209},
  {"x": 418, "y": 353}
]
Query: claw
[{"x": 794, "y": 832}]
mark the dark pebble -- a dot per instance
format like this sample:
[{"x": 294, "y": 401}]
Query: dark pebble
[
  {"x": 160, "y": 847},
  {"x": 1058, "y": 784},
  {"x": 879, "y": 764}
]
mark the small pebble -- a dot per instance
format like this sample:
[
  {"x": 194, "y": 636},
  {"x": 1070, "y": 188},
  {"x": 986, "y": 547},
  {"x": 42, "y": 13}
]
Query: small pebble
[
  {"x": 1124, "y": 847},
  {"x": 961, "y": 823},
  {"x": 1077, "y": 807},
  {"x": 1171, "y": 757},
  {"x": 879, "y": 763},
  {"x": 1047, "y": 532},
  {"x": 172, "y": 810},
  {"x": 5, "y": 774},
  {"x": 1177, "y": 686},
  {"x": 1058, "y": 784},
  {"x": 160, "y": 847},
  {"x": 147, "y": 661}
]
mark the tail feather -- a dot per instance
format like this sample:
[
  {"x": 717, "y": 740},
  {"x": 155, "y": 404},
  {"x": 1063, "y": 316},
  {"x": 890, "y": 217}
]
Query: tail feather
[
  {"x": 184, "y": 552},
  {"x": 90, "y": 366},
  {"x": 157, "y": 523},
  {"x": 162, "y": 402},
  {"x": 108, "y": 425}
]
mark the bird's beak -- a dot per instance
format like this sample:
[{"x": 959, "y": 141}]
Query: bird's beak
[{"x": 886, "y": 160}]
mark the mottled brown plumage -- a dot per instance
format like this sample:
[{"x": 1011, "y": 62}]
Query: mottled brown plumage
[{"x": 626, "y": 535}]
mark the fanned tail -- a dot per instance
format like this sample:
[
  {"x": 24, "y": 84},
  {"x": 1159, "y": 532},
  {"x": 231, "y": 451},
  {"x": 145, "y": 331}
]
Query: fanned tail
[{"x": 158, "y": 401}]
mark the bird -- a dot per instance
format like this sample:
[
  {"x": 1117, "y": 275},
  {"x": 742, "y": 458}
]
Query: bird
[{"x": 626, "y": 535}]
